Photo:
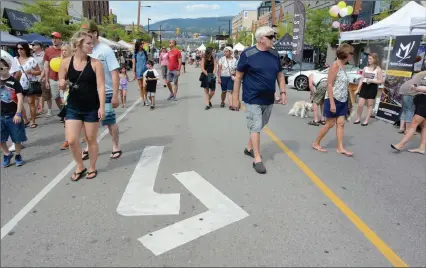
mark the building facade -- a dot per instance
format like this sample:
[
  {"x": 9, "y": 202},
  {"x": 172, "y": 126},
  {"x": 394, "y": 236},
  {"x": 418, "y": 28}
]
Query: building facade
[
  {"x": 243, "y": 21},
  {"x": 95, "y": 10}
]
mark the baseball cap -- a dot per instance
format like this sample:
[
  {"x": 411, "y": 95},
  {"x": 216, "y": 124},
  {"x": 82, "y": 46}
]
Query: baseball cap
[
  {"x": 7, "y": 58},
  {"x": 36, "y": 42},
  {"x": 227, "y": 48},
  {"x": 56, "y": 34}
]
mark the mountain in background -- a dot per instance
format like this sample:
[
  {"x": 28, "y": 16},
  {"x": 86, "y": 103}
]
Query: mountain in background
[{"x": 201, "y": 26}]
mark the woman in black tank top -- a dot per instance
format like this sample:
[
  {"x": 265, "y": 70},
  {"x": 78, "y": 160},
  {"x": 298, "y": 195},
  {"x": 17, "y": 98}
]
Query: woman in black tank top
[
  {"x": 86, "y": 101},
  {"x": 208, "y": 81}
]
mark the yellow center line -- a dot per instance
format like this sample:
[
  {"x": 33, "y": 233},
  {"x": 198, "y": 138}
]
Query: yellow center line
[{"x": 389, "y": 254}]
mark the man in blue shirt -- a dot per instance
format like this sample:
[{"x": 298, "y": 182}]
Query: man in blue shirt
[
  {"x": 259, "y": 68},
  {"x": 111, "y": 66}
]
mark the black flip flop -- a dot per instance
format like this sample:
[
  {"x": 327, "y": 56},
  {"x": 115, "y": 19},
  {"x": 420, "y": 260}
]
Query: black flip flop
[
  {"x": 322, "y": 123},
  {"x": 114, "y": 153},
  {"x": 313, "y": 123},
  {"x": 357, "y": 122},
  {"x": 90, "y": 173},
  {"x": 396, "y": 149},
  {"x": 364, "y": 124},
  {"x": 33, "y": 125},
  {"x": 85, "y": 155},
  {"x": 79, "y": 175}
]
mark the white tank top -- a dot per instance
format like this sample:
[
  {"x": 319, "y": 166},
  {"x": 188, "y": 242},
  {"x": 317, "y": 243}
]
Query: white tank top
[{"x": 370, "y": 74}]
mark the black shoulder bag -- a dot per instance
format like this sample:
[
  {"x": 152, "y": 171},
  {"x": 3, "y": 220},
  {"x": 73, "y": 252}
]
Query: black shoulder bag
[
  {"x": 72, "y": 87},
  {"x": 35, "y": 86}
]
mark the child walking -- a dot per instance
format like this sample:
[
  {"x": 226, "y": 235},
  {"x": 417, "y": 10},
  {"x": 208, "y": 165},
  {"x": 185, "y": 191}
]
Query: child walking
[
  {"x": 124, "y": 79},
  {"x": 151, "y": 77}
]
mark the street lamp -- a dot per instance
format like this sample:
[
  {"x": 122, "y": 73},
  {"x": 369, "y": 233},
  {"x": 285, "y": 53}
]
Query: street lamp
[
  {"x": 148, "y": 24},
  {"x": 139, "y": 13}
]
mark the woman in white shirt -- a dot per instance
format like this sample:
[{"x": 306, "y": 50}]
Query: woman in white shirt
[
  {"x": 226, "y": 74},
  {"x": 30, "y": 72},
  {"x": 371, "y": 78}
]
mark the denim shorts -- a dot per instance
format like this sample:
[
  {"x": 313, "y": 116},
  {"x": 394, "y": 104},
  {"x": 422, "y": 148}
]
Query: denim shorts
[
  {"x": 408, "y": 108},
  {"x": 75, "y": 114},
  {"x": 257, "y": 116},
  {"x": 16, "y": 132},
  {"x": 227, "y": 83},
  {"x": 109, "y": 112}
]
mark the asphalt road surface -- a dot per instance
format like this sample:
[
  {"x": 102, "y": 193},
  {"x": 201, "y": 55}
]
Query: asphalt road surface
[{"x": 310, "y": 209}]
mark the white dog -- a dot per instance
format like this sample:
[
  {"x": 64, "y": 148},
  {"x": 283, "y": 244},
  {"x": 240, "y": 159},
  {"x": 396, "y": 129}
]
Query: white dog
[{"x": 301, "y": 108}]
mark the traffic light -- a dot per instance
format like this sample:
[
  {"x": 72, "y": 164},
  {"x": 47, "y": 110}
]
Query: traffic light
[
  {"x": 196, "y": 36},
  {"x": 177, "y": 31}
]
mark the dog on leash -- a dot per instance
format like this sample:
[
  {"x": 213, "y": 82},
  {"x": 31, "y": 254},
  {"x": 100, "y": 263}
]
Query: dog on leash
[{"x": 301, "y": 108}]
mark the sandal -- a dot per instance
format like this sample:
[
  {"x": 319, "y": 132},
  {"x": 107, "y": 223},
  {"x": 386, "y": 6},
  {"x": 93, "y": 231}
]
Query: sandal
[
  {"x": 313, "y": 123},
  {"x": 85, "y": 155},
  {"x": 357, "y": 122},
  {"x": 26, "y": 124},
  {"x": 33, "y": 125},
  {"x": 114, "y": 153},
  {"x": 79, "y": 175},
  {"x": 90, "y": 173},
  {"x": 322, "y": 122}
]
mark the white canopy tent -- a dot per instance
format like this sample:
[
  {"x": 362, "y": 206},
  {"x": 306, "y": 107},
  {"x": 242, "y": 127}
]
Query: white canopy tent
[
  {"x": 202, "y": 48},
  {"x": 418, "y": 23},
  {"x": 397, "y": 24},
  {"x": 126, "y": 45},
  {"x": 110, "y": 43},
  {"x": 239, "y": 47}
]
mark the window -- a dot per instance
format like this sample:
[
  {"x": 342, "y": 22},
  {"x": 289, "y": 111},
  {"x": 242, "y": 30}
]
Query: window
[{"x": 380, "y": 6}]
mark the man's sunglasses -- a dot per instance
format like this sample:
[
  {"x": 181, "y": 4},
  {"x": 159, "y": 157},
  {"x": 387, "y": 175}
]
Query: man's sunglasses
[
  {"x": 352, "y": 53},
  {"x": 270, "y": 37}
]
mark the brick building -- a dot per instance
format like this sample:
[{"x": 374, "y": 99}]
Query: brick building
[{"x": 95, "y": 10}]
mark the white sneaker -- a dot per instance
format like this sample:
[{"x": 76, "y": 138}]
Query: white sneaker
[{"x": 49, "y": 113}]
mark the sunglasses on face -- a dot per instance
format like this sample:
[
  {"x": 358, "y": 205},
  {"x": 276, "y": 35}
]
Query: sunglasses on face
[
  {"x": 270, "y": 37},
  {"x": 3, "y": 68},
  {"x": 20, "y": 48},
  {"x": 352, "y": 53}
]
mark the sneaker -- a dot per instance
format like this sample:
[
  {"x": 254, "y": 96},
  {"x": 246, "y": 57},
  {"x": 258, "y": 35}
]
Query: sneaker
[
  {"x": 170, "y": 97},
  {"x": 222, "y": 105},
  {"x": 65, "y": 146},
  {"x": 174, "y": 98},
  {"x": 19, "y": 161},
  {"x": 207, "y": 108},
  {"x": 49, "y": 113},
  {"x": 152, "y": 108},
  {"x": 6, "y": 160},
  {"x": 210, "y": 104},
  {"x": 12, "y": 148},
  {"x": 259, "y": 167},
  {"x": 249, "y": 153}
]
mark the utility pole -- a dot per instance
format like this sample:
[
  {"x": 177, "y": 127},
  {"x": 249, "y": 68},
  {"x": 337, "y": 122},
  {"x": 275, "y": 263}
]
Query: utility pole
[
  {"x": 273, "y": 13},
  {"x": 139, "y": 14}
]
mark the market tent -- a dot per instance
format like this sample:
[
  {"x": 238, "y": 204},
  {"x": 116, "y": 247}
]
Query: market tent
[
  {"x": 33, "y": 37},
  {"x": 110, "y": 43},
  {"x": 9, "y": 40},
  {"x": 239, "y": 47},
  {"x": 418, "y": 23},
  {"x": 126, "y": 45},
  {"x": 397, "y": 24},
  {"x": 202, "y": 48},
  {"x": 286, "y": 43}
]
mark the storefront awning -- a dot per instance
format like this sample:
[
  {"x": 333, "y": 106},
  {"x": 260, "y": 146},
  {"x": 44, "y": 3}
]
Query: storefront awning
[
  {"x": 19, "y": 21},
  {"x": 36, "y": 37}
]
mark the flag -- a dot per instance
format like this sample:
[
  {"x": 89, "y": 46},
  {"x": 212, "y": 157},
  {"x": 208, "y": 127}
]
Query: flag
[{"x": 298, "y": 30}]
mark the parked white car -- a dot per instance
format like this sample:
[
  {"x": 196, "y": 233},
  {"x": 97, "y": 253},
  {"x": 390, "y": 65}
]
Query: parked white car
[{"x": 299, "y": 80}]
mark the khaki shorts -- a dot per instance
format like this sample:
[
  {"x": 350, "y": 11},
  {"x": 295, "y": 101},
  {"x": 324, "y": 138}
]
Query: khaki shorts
[{"x": 54, "y": 89}]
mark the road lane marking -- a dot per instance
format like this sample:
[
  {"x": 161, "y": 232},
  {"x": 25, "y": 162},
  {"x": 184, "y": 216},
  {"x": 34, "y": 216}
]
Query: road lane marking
[
  {"x": 139, "y": 197},
  {"x": 390, "y": 255},
  {"x": 222, "y": 211},
  {"x": 28, "y": 207}
]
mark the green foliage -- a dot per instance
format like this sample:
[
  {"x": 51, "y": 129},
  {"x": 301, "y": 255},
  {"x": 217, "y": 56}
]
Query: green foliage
[
  {"x": 113, "y": 31},
  {"x": 164, "y": 43},
  {"x": 284, "y": 29},
  {"x": 394, "y": 5},
  {"x": 212, "y": 45},
  {"x": 230, "y": 40},
  {"x": 244, "y": 37},
  {"x": 318, "y": 31},
  {"x": 4, "y": 25},
  {"x": 53, "y": 15}
]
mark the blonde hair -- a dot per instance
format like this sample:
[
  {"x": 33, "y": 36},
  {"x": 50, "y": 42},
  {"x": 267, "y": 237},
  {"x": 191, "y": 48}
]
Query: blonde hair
[
  {"x": 78, "y": 39},
  {"x": 375, "y": 58},
  {"x": 67, "y": 48}
]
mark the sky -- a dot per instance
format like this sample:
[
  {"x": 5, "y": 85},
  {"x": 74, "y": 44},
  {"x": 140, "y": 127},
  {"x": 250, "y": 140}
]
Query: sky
[{"x": 127, "y": 11}]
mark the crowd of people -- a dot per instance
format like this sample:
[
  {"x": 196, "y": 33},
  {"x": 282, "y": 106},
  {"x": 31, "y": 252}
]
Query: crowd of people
[{"x": 90, "y": 82}]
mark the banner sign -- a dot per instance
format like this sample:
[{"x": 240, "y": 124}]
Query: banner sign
[
  {"x": 298, "y": 30},
  {"x": 400, "y": 69}
]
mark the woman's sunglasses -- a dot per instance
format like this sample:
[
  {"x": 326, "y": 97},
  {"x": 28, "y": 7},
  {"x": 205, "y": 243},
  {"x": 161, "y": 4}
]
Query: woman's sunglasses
[{"x": 20, "y": 48}]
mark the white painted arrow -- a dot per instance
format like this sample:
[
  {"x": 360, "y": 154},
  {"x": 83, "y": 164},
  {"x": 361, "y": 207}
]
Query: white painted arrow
[
  {"x": 222, "y": 211},
  {"x": 139, "y": 197}
]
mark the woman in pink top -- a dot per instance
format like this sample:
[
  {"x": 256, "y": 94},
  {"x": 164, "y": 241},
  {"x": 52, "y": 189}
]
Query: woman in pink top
[{"x": 163, "y": 62}]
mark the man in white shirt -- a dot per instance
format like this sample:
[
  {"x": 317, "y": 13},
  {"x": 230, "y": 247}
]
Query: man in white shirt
[{"x": 184, "y": 56}]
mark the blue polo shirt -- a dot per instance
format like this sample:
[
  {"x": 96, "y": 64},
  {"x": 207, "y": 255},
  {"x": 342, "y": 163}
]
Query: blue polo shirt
[{"x": 260, "y": 70}]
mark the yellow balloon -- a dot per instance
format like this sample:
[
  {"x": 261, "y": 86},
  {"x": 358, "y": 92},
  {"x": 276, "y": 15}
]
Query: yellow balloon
[
  {"x": 55, "y": 64},
  {"x": 332, "y": 14},
  {"x": 341, "y": 4},
  {"x": 350, "y": 10}
]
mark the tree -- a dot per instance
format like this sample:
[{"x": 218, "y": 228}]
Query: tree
[
  {"x": 393, "y": 5},
  {"x": 4, "y": 25},
  {"x": 113, "y": 31},
  {"x": 318, "y": 30},
  {"x": 53, "y": 15},
  {"x": 212, "y": 45},
  {"x": 244, "y": 37}
]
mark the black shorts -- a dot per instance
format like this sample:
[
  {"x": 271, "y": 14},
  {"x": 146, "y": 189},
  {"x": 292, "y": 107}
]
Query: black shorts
[
  {"x": 420, "y": 104},
  {"x": 368, "y": 91},
  {"x": 183, "y": 63}
]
